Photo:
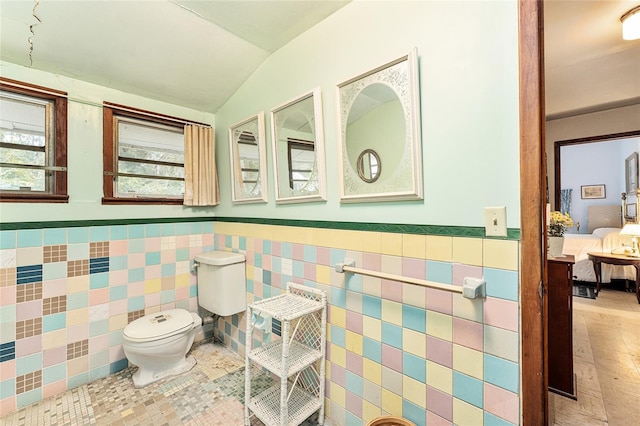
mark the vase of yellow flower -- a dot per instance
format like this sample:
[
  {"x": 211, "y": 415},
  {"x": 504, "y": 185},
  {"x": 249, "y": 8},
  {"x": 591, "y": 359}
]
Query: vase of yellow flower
[{"x": 558, "y": 225}]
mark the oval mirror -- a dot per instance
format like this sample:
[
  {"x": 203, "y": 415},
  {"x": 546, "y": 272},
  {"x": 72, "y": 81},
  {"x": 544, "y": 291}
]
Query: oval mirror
[
  {"x": 246, "y": 148},
  {"x": 369, "y": 166},
  {"x": 379, "y": 113},
  {"x": 298, "y": 149}
]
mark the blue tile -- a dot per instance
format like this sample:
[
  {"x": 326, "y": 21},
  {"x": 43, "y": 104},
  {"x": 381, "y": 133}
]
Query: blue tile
[
  {"x": 441, "y": 272},
  {"x": 8, "y": 388},
  {"x": 501, "y": 284},
  {"x": 152, "y": 258},
  {"x": 136, "y": 275},
  {"x": 351, "y": 419},
  {"x": 298, "y": 269},
  {"x": 135, "y": 303},
  {"x": 78, "y": 235},
  {"x": 337, "y": 256},
  {"x": 372, "y": 349},
  {"x": 193, "y": 291},
  {"x": 28, "y": 398},
  {"x": 414, "y": 318},
  {"x": 338, "y": 297},
  {"x": 29, "y": 238},
  {"x": 115, "y": 338},
  {"x": 338, "y": 336},
  {"x": 195, "y": 227},
  {"x": 182, "y": 254},
  {"x": 414, "y": 413},
  {"x": 77, "y": 381},
  {"x": 98, "y": 328},
  {"x": 501, "y": 372},
  {"x": 78, "y": 251},
  {"x": 118, "y": 292},
  {"x": 371, "y": 306},
  {"x": 468, "y": 389},
  {"x": 353, "y": 383},
  {"x": 391, "y": 334},
  {"x": 118, "y": 263},
  {"x": 310, "y": 254},
  {"x": 182, "y": 228},
  {"x": 136, "y": 246},
  {"x": 207, "y": 227},
  {"x": 119, "y": 365},
  {"x": 414, "y": 367},
  {"x": 99, "y": 233},
  {"x": 54, "y": 373},
  {"x": 7, "y": 351},
  {"x": 276, "y": 264},
  {"x": 257, "y": 260},
  {"x": 266, "y": 247},
  {"x": 168, "y": 270},
  {"x": 28, "y": 364},
  {"x": 136, "y": 232},
  {"x": 491, "y": 420},
  {"x": 77, "y": 300},
  {"x": 152, "y": 230},
  {"x": 118, "y": 232},
  {"x": 250, "y": 286},
  {"x": 168, "y": 229},
  {"x": 54, "y": 271},
  {"x": 54, "y": 322},
  {"x": 353, "y": 282},
  {"x": 7, "y": 240},
  {"x": 55, "y": 236},
  {"x": 7, "y": 313},
  {"x": 99, "y": 280},
  {"x": 286, "y": 250},
  {"x": 266, "y": 277},
  {"x": 28, "y": 274},
  {"x": 167, "y": 296},
  {"x": 242, "y": 243}
]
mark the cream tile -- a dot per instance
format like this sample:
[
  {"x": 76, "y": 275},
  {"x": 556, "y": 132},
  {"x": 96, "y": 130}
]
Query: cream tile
[
  {"x": 338, "y": 394},
  {"x": 439, "y": 248},
  {"x": 372, "y": 371},
  {"x": 414, "y": 391},
  {"x": 440, "y": 377},
  {"x": 440, "y": 325},
  {"x": 466, "y": 414},
  {"x": 372, "y": 328},
  {"x": 468, "y": 361},
  {"x": 391, "y": 244},
  {"x": 392, "y": 312},
  {"x": 391, "y": 403},
  {"x": 338, "y": 316},
  {"x": 414, "y": 245},
  {"x": 500, "y": 254},
  {"x": 414, "y": 342},
  {"x": 467, "y": 251}
]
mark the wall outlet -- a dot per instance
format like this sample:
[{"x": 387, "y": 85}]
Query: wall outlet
[{"x": 495, "y": 221}]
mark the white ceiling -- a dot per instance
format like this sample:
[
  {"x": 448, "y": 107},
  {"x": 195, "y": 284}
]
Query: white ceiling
[{"x": 197, "y": 53}]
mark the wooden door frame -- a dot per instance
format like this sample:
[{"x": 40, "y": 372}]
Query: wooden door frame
[{"x": 533, "y": 360}]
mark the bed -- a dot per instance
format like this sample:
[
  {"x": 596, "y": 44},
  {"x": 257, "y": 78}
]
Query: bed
[{"x": 604, "y": 224}]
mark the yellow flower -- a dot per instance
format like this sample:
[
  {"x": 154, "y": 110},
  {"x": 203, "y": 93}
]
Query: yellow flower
[{"x": 559, "y": 223}]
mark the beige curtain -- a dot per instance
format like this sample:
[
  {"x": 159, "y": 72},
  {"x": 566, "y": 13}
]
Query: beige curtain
[{"x": 200, "y": 173}]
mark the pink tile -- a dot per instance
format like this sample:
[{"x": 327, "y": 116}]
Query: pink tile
[
  {"x": 414, "y": 268},
  {"x": 276, "y": 248},
  {"x": 392, "y": 290},
  {"x": 276, "y": 280},
  {"x": 167, "y": 306},
  {"x": 118, "y": 307},
  {"x": 136, "y": 260},
  {"x": 182, "y": 241},
  {"x": 194, "y": 251},
  {"x": 323, "y": 256},
  {"x": 468, "y": 333},
  {"x": 193, "y": 279},
  {"x": 53, "y": 288},
  {"x": 354, "y": 404},
  {"x": 501, "y": 313},
  {"x": 8, "y": 405},
  {"x": 167, "y": 256},
  {"x": 460, "y": 271},
  {"x": 338, "y": 375},
  {"x": 98, "y": 343},
  {"x": 309, "y": 271},
  {"x": 250, "y": 257},
  {"x": 116, "y": 353},
  {"x": 152, "y": 244},
  {"x": 54, "y": 356},
  {"x": 118, "y": 247},
  {"x": 257, "y": 245},
  {"x": 182, "y": 293},
  {"x": 266, "y": 262},
  {"x": 354, "y": 363},
  {"x": 7, "y": 370},
  {"x": 77, "y": 333},
  {"x": 98, "y": 296},
  {"x": 152, "y": 271},
  {"x": 439, "y": 301},
  {"x": 440, "y": 403},
  {"x": 152, "y": 299},
  {"x": 392, "y": 358},
  {"x": 257, "y": 289},
  {"x": 354, "y": 322},
  {"x": 297, "y": 252},
  {"x": 28, "y": 345},
  {"x": 371, "y": 261},
  {"x": 440, "y": 351},
  {"x": 207, "y": 239},
  {"x": 435, "y": 420},
  {"x": 118, "y": 277},
  {"x": 193, "y": 304},
  {"x": 221, "y": 241},
  {"x": 135, "y": 289},
  {"x": 29, "y": 310},
  {"x": 54, "y": 388},
  {"x": 8, "y": 295},
  {"x": 502, "y": 403}
]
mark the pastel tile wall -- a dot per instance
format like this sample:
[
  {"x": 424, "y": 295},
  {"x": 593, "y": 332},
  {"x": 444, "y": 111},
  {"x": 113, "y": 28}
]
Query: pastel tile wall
[
  {"x": 426, "y": 355},
  {"x": 66, "y": 294}
]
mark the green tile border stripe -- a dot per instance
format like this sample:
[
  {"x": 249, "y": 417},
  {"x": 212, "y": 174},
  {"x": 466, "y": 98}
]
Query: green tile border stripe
[{"x": 451, "y": 231}]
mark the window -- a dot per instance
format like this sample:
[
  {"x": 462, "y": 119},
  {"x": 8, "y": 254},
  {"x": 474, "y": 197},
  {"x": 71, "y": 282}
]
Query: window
[
  {"x": 143, "y": 157},
  {"x": 33, "y": 143}
]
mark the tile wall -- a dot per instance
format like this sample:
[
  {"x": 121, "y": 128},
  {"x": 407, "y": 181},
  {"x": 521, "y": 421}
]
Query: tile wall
[
  {"x": 426, "y": 355},
  {"x": 66, "y": 294}
]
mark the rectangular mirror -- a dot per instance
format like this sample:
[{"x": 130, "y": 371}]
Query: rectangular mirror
[
  {"x": 248, "y": 160},
  {"x": 298, "y": 149},
  {"x": 379, "y": 124}
]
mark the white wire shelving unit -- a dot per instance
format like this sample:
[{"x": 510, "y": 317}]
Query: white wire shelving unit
[{"x": 297, "y": 358}]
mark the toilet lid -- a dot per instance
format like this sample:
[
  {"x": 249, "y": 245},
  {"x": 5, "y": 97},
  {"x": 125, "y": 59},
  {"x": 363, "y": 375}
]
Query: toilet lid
[{"x": 159, "y": 325}]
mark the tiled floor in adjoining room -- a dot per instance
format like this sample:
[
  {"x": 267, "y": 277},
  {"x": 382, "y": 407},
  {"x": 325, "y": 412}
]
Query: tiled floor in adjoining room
[{"x": 211, "y": 394}]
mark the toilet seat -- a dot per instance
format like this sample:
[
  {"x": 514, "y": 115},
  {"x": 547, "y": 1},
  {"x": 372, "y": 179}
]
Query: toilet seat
[{"x": 159, "y": 325}]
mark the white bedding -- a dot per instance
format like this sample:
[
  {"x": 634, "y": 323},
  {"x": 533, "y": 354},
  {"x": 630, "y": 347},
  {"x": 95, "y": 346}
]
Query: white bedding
[{"x": 601, "y": 240}]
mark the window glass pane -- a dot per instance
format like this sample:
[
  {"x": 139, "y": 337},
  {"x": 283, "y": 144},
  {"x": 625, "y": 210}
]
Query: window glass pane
[
  {"x": 130, "y": 186},
  {"x": 150, "y": 169},
  {"x": 22, "y": 120},
  {"x": 150, "y": 142},
  {"x": 18, "y": 179},
  {"x": 20, "y": 156}
]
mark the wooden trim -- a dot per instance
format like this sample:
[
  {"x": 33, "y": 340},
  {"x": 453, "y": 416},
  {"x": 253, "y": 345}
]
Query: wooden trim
[
  {"x": 23, "y": 197},
  {"x": 29, "y": 89},
  {"x": 140, "y": 200},
  {"x": 532, "y": 214},
  {"x": 108, "y": 158},
  {"x": 60, "y": 177},
  {"x": 150, "y": 116}
]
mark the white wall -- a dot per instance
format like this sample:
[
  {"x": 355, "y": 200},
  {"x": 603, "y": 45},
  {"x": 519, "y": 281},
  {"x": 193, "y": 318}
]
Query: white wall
[
  {"x": 469, "y": 106},
  {"x": 84, "y": 147}
]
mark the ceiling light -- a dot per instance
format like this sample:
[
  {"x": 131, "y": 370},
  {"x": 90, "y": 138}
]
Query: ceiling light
[{"x": 631, "y": 24}]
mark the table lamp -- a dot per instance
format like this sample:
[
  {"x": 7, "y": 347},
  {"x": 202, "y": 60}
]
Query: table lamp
[{"x": 633, "y": 230}]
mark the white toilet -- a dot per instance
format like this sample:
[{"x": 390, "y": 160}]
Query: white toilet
[{"x": 158, "y": 343}]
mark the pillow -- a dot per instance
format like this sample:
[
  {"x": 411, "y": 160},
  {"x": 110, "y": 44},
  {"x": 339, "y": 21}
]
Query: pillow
[{"x": 602, "y": 232}]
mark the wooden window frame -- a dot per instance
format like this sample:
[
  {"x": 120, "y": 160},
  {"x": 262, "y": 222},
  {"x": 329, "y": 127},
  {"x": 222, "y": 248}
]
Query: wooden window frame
[{"x": 58, "y": 192}]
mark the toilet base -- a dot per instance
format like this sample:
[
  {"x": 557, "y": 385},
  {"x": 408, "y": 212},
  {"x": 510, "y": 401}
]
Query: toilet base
[{"x": 144, "y": 377}]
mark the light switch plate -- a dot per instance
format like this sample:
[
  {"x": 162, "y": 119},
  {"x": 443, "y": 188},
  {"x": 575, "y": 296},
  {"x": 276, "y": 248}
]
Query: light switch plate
[{"x": 495, "y": 221}]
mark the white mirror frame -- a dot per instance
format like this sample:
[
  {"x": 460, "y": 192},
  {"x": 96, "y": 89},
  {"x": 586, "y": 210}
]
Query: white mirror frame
[
  {"x": 254, "y": 123},
  {"x": 405, "y": 85},
  {"x": 284, "y": 194}
]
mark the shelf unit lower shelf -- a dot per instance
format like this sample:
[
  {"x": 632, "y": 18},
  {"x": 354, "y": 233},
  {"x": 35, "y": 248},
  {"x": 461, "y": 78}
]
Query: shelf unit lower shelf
[{"x": 301, "y": 405}]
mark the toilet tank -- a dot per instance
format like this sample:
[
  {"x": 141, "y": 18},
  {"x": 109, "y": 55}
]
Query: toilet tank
[{"x": 222, "y": 284}]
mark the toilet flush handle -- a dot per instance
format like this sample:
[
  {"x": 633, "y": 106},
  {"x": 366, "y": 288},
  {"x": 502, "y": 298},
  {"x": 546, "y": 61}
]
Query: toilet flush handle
[{"x": 194, "y": 266}]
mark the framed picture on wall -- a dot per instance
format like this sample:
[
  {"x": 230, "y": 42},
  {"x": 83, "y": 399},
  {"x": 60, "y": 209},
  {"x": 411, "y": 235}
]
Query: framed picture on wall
[
  {"x": 631, "y": 173},
  {"x": 593, "y": 191}
]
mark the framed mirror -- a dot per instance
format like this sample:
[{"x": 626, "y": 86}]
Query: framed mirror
[
  {"x": 379, "y": 125},
  {"x": 248, "y": 160},
  {"x": 298, "y": 149}
]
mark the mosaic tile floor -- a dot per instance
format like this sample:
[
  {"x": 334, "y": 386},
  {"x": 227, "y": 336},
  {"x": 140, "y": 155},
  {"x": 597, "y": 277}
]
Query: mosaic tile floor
[{"x": 211, "y": 394}]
